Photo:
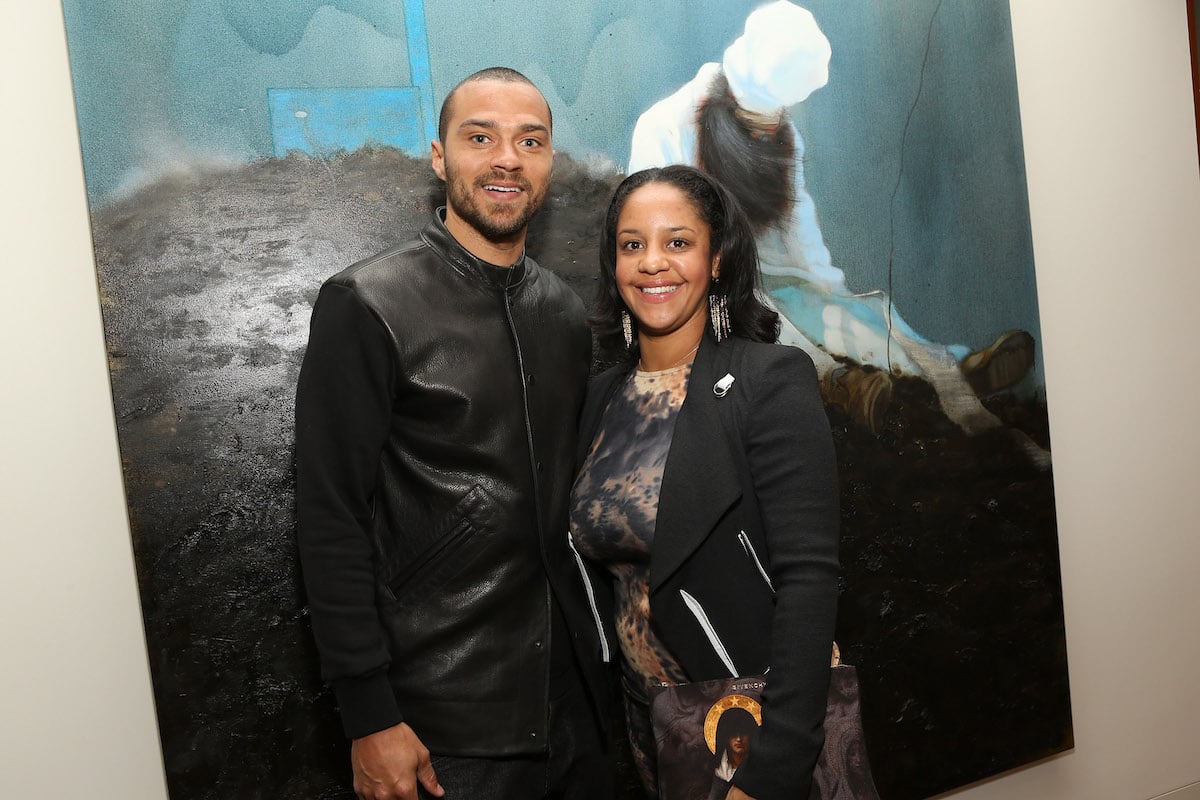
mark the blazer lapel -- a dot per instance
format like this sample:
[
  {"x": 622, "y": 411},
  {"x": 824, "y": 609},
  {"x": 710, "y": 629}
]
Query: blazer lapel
[
  {"x": 700, "y": 480},
  {"x": 600, "y": 391}
]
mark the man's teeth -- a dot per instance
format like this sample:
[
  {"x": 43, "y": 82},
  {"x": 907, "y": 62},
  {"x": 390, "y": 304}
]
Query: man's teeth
[
  {"x": 659, "y": 289},
  {"x": 502, "y": 188}
]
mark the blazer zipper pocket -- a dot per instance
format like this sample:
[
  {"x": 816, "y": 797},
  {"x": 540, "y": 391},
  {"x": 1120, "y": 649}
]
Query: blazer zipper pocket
[
  {"x": 706, "y": 625},
  {"x": 750, "y": 551},
  {"x": 605, "y": 656}
]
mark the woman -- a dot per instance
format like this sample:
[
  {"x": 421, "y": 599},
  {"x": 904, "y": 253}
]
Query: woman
[{"x": 707, "y": 579}]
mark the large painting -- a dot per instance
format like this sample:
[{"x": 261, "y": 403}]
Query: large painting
[{"x": 238, "y": 154}]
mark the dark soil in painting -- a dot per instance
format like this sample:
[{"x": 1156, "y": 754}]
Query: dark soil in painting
[{"x": 951, "y": 602}]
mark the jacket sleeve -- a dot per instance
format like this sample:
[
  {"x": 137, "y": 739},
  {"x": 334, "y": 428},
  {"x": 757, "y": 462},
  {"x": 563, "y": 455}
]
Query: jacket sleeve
[
  {"x": 791, "y": 457},
  {"x": 343, "y": 416}
]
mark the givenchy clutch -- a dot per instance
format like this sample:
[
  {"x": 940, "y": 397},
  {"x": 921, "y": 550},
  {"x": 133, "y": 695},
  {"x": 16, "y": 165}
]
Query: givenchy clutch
[{"x": 704, "y": 730}]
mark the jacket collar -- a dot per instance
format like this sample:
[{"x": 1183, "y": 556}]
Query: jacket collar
[{"x": 439, "y": 238}]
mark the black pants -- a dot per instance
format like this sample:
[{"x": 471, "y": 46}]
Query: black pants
[{"x": 579, "y": 765}]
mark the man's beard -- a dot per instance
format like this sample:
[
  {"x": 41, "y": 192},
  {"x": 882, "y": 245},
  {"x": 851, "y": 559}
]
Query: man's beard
[{"x": 495, "y": 227}]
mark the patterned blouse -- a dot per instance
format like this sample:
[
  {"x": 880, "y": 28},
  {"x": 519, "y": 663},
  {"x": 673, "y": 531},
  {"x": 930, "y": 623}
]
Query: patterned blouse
[{"x": 614, "y": 507}]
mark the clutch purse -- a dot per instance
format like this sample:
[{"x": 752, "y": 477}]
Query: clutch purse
[{"x": 702, "y": 730}]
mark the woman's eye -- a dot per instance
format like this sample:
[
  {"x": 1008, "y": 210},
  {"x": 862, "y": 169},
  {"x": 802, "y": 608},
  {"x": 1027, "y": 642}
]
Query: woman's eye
[
  {"x": 631, "y": 246},
  {"x": 677, "y": 243}
]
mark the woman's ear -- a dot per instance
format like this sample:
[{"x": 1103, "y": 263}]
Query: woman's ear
[{"x": 716, "y": 267}]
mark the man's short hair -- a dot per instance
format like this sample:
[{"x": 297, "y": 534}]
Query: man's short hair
[{"x": 502, "y": 74}]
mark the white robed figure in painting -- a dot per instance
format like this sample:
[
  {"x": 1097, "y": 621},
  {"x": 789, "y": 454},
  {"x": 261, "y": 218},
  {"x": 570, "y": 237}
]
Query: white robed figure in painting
[{"x": 732, "y": 121}]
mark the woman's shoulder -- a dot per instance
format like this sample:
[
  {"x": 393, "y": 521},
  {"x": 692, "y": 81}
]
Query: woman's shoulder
[
  {"x": 768, "y": 356},
  {"x": 601, "y": 386},
  {"x": 608, "y": 376},
  {"x": 775, "y": 377}
]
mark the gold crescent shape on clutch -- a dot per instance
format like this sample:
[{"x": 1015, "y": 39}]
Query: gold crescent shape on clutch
[{"x": 720, "y": 707}]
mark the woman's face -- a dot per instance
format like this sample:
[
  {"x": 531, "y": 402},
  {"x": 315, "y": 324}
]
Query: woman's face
[{"x": 664, "y": 262}]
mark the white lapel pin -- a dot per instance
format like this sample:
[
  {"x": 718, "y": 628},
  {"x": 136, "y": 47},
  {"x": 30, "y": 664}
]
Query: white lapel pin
[{"x": 721, "y": 387}]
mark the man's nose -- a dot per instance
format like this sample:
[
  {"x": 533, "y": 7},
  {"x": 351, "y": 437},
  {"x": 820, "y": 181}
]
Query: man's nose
[{"x": 506, "y": 157}]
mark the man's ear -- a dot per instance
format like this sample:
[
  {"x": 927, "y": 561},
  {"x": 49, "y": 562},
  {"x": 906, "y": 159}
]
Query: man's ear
[{"x": 438, "y": 159}]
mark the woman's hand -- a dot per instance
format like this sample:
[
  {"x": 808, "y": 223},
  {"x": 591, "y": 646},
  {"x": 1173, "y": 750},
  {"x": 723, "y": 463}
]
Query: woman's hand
[{"x": 737, "y": 794}]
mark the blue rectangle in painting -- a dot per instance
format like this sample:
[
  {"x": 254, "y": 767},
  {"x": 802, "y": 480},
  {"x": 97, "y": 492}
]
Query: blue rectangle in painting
[{"x": 323, "y": 121}]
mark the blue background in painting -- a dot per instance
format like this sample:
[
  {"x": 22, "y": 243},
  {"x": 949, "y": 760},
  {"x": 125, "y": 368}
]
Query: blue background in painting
[
  {"x": 939, "y": 194},
  {"x": 324, "y": 121}
]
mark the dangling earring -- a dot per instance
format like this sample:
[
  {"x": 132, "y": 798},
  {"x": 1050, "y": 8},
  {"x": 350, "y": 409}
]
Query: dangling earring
[
  {"x": 627, "y": 329},
  {"x": 718, "y": 311}
]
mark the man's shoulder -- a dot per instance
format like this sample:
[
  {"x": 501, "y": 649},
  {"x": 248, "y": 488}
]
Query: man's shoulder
[
  {"x": 554, "y": 289},
  {"x": 380, "y": 267}
]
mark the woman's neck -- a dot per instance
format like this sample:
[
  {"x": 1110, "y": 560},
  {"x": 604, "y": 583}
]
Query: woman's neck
[{"x": 659, "y": 355}]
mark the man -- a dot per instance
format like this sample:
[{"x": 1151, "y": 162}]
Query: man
[{"x": 435, "y": 426}]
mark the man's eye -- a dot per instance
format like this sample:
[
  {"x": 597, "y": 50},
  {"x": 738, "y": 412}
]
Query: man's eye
[
  {"x": 478, "y": 138},
  {"x": 530, "y": 142}
]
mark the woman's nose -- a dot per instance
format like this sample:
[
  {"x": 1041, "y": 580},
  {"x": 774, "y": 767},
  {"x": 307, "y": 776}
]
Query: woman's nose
[{"x": 654, "y": 261}]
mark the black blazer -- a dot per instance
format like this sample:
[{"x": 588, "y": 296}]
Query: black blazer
[{"x": 743, "y": 567}]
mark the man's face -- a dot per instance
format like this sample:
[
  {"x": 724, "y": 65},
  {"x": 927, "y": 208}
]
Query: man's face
[{"x": 496, "y": 160}]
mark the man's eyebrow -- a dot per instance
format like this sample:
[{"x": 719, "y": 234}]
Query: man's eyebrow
[
  {"x": 477, "y": 123},
  {"x": 488, "y": 124}
]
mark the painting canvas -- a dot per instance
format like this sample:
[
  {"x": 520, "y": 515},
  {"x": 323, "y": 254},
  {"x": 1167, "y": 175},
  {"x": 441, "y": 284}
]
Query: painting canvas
[
  {"x": 238, "y": 154},
  {"x": 1193, "y": 17}
]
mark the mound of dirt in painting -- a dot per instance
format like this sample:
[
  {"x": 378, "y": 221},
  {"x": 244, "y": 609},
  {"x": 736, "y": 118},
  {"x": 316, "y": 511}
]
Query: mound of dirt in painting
[{"x": 951, "y": 603}]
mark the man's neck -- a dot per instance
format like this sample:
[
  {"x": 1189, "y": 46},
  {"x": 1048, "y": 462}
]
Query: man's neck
[{"x": 504, "y": 253}]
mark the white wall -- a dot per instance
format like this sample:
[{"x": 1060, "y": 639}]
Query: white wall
[
  {"x": 1115, "y": 194},
  {"x": 1110, "y": 143},
  {"x": 76, "y": 714}
]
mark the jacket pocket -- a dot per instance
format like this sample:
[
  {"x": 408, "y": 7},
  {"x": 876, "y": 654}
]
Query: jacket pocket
[
  {"x": 448, "y": 554},
  {"x": 693, "y": 605},
  {"x": 752, "y": 554}
]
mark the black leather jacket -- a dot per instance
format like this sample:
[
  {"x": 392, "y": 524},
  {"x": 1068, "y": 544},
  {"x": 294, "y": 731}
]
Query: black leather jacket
[{"x": 436, "y": 420}]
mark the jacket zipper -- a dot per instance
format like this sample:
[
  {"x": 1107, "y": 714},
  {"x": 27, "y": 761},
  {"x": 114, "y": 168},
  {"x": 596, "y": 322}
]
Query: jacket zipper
[
  {"x": 749, "y": 548},
  {"x": 605, "y": 656},
  {"x": 706, "y": 625}
]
